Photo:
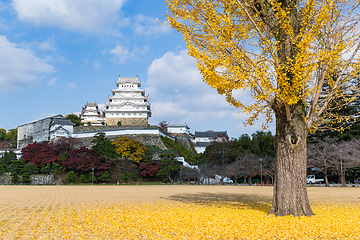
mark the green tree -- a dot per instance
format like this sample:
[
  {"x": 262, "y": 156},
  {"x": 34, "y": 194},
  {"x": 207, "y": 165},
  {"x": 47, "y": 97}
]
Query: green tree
[
  {"x": 5, "y": 160},
  {"x": 169, "y": 166},
  {"x": 17, "y": 166},
  {"x": 46, "y": 169},
  {"x": 83, "y": 178},
  {"x": 14, "y": 178},
  {"x": 3, "y": 167},
  {"x": 55, "y": 168},
  {"x": 126, "y": 176},
  {"x": 31, "y": 168},
  {"x": 12, "y": 134},
  {"x": 74, "y": 119},
  {"x": 104, "y": 147},
  {"x": 3, "y": 135},
  {"x": 26, "y": 177},
  {"x": 105, "y": 177},
  {"x": 71, "y": 177},
  {"x": 264, "y": 142}
]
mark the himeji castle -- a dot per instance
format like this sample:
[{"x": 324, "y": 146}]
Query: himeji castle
[{"x": 128, "y": 104}]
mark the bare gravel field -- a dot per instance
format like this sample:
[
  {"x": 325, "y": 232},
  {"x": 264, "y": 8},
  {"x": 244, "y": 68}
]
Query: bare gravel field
[{"x": 62, "y": 196}]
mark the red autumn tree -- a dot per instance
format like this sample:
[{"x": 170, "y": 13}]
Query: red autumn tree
[
  {"x": 39, "y": 153},
  {"x": 150, "y": 169},
  {"x": 83, "y": 160}
]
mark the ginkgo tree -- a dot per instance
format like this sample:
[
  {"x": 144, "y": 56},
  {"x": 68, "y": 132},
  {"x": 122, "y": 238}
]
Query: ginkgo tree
[
  {"x": 295, "y": 57},
  {"x": 129, "y": 149}
]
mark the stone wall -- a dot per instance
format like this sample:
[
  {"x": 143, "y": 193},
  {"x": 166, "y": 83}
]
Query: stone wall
[
  {"x": 146, "y": 139},
  {"x": 134, "y": 122},
  {"x": 37, "y": 179},
  {"x": 101, "y": 128},
  {"x": 184, "y": 140},
  {"x": 5, "y": 180}
]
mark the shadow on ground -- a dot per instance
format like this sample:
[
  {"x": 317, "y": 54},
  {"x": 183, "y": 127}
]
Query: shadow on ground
[{"x": 242, "y": 201}]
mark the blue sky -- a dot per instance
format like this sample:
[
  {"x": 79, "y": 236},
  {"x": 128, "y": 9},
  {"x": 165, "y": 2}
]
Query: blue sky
[{"x": 57, "y": 55}]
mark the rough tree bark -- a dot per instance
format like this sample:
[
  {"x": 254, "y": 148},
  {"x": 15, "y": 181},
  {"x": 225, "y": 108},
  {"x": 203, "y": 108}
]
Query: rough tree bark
[{"x": 290, "y": 191}]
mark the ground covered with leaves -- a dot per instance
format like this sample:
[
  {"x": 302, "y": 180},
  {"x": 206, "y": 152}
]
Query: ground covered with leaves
[{"x": 171, "y": 212}]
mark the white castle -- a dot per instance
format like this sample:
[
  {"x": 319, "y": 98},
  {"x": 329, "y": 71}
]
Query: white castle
[
  {"x": 90, "y": 114},
  {"x": 127, "y": 106}
]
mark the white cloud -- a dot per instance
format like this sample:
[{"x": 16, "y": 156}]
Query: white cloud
[
  {"x": 72, "y": 85},
  {"x": 121, "y": 54},
  {"x": 19, "y": 67},
  {"x": 52, "y": 81},
  {"x": 96, "y": 64},
  {"x": 77, "y": 15},
  {"x": 178, "y": 94},
  {"x": 145, "y": 25},
  {"x": 47, "y": 45}
]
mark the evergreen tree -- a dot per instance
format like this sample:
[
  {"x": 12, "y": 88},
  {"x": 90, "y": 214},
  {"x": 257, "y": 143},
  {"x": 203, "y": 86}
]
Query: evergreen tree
[
  {"x": 14, "y": 178},
  {"x": 105, "y": 177},
  {"x": 31, "y": 168},
  {"x": 83, "y": 178},
  {"x": 104, "y": 147},
  {"x": 74, "y": 119},
  {"x": 169, "y": 166},
  {"x": 26, "y": 177},
  {"x": 17, "y": 166},
  {"x": 71, "y": 177},
  {"x": 5, "y": 161}
]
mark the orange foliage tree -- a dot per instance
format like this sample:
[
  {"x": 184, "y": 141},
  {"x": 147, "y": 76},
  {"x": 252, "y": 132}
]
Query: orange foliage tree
[{"x": 296, "y": 58}]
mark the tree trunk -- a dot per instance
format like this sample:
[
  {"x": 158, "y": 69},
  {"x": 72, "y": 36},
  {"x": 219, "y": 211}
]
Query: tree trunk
[
  {"x": 342, "y": 177},
  {"x": 290, "y": 191},
  {"x": 326, "y": 180}
]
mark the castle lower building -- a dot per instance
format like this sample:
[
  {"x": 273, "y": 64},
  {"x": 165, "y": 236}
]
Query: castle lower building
[
  {"x": 44, "y": 130},
  {"x": 90, "y": 114},
  {"x": 128, "y": 104}
]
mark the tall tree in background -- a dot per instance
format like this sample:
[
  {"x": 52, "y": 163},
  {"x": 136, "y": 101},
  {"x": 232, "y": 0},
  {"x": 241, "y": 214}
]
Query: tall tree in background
[
  {"x": 163, "y": 126},
  {"x": 104, "y": 147},
  {"x": 320, "y": 157},
  {"x": 74, "y": 119},
  {"x": 218, "y": 150},
  {"x": 280, "y": 51},
  {"x": 345, "y": 156}
]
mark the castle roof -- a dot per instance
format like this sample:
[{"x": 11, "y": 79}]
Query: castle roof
[
  {"x": 60, "y": 121},
  {"x": 178, "y": 125},
  {"x": 209, "y": 133},
  {"x": 124, "y": 80}
]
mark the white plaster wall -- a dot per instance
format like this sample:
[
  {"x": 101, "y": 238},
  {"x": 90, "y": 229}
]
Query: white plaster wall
[
  {"x": 177, "y": 129},
  {"x": 203, "y": 139},
  {"x": 200, "y": 149},
  {"x": 116, "y": 132}
]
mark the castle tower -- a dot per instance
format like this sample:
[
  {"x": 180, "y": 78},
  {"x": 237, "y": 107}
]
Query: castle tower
[
  {"x": 91, "y": 114},
  {"x": 127, "y": 104}
]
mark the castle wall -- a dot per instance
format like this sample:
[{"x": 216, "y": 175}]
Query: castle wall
[
  {"x": 139, "y": 122},
  {"x": 146, "y": 139}
]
